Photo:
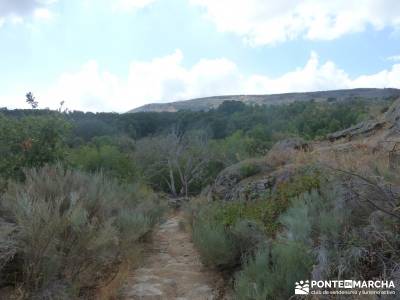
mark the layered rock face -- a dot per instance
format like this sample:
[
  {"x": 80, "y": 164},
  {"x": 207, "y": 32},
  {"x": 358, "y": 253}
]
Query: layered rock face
[{"x": 389, "y": 121}]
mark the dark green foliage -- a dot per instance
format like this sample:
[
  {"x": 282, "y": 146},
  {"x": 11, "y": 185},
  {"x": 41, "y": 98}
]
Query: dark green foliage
[
  {"x": 248, "y": 169},
  {"x": 87, "y": 129},
  {"x": 231, "y": 106},
  {"x": 30, "y": 142},
  {"x": 307, "y": 119},
  {"x": 106, "y": 158},
  {"x": 232, "y": 149}
]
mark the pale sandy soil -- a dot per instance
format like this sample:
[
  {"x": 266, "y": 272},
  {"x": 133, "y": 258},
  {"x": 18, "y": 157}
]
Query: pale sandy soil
[{"x": 172, "y": 269}]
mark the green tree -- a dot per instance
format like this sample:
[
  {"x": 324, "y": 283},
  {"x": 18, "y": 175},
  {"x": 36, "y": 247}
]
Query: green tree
[
  {"x": 30, "y": 99},
  {"x": 30, "y": 142},
  {"x": 106, "y": 158}
]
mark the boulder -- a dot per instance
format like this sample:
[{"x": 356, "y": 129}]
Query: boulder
[
  {"x": 226, "y": 181},
  {"x": 228, "y": 187}
]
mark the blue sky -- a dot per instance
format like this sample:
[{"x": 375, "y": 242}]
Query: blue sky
[{"x": 114, "y": 55}]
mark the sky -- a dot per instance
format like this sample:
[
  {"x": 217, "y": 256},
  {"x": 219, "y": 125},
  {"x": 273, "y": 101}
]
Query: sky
[{"x": 115, "y": 55}]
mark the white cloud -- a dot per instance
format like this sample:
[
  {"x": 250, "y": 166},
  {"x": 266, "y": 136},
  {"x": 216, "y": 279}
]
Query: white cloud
[
  {"x": 161, "y": 79},
  {"x": 167, "y": 79},
  {"x": 262, "y": 22},
  {"x": 385, "y": 78},
  {"x": 15, "y": 11},
  {"x": 312, "y": 76},
  {"x": 43, "y": 14},
  {"x": 393, "y": 58}
]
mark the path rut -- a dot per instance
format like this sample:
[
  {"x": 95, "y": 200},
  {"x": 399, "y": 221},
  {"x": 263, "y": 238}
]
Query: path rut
[{"x": 172, "y": 268}]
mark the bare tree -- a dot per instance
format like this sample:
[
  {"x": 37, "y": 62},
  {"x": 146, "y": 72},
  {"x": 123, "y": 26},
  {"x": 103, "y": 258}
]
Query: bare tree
[
  {"x": 191, "y": 158},
  {"x": 179, "y": 159}
]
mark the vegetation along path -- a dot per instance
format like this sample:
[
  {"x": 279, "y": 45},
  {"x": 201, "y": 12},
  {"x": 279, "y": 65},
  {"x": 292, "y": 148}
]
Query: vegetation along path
[{"x": 172, "y": 268}]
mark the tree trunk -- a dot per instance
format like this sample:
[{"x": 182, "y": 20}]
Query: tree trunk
[{"x": 172, "y": 179}]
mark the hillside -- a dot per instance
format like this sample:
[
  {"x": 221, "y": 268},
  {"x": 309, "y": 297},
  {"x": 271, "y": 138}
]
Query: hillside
[
  {"x": 200, "y": 204},
  {"x": 207, "y": 103}
]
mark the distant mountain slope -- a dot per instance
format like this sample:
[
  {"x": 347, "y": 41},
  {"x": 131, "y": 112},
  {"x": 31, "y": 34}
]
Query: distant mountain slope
[{"x": 208, "y": 103}]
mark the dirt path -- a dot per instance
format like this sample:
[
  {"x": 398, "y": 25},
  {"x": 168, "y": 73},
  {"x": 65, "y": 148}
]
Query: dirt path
[{"x": 171, "y": 268}]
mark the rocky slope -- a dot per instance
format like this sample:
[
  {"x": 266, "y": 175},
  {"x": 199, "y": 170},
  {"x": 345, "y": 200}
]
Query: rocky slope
[
  {"x": 388, "y": 124},
  {"x": 237, "y": 183}
]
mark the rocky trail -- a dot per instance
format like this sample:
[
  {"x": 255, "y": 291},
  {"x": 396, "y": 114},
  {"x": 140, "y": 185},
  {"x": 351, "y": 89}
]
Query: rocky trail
[{"x": 172, "y": 268}]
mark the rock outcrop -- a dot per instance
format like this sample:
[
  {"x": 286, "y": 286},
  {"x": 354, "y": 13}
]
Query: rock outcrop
[
  {"x": 392, "y": 118},
  {"x": 227, "y": 181},
  {"x": 365, "y": 128},
  {"x": 248, "y": 179},
  {"x": 390, "y": 121},
  {"x": 232, "y": 185}
]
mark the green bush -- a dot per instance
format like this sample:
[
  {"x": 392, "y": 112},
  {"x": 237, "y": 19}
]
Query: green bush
[
  {"x": 231, "y": 149},
  {"x": 266, "y": 210},
  {"x": 272, "y": 272},
  {"x": 30, "y": 142},
  {"x": 216, "y": 245},
  {"x": 249, "y": 236},
  {"x": 105, "y": 158},
  {"x": 272, "y": 236},
  {"x": 249, "y": 169},
  {"x": 252, "y": 281},
  {"x": 230, "y": 213},
  {"x": 72, "y": 229}
]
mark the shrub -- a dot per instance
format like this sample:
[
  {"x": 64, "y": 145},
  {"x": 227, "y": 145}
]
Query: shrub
[
  {"x": 249, "y": 169},
  {"x": 7, "y": 243},
  {"x": 232, "y": 149},
  {"x": 230, "y": 213},
  {"x": 252, "y": 281},
  {"x": 271, "y": 273},
  {"x": 248, "y": 235},
  {"x": 216, "y": 245},
  {"x": 347, "y": 241},
  {"x": 30, "y": 142},
  {"x": 72, "y": 229},
  {"x": 239, "y": 238},
  {"x": 105, "y": 158},
  {"x": 266, "y": 210}
]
